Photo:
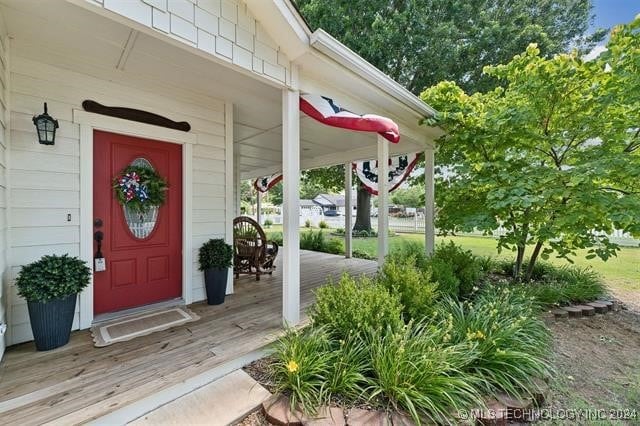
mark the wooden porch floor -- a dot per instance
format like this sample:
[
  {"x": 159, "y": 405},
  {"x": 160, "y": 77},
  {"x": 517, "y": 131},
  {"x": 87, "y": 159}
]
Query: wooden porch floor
[{"x": 78, "y": 382}]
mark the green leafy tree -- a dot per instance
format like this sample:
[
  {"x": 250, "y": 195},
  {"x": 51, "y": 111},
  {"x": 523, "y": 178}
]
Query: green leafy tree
[
  {"x": 551, "y": 155},
  {"x": 412, "y": 196},
  {"x": 421, "y": 42}
]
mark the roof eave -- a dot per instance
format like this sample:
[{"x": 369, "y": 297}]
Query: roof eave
[{"x": 329, "y": 46}]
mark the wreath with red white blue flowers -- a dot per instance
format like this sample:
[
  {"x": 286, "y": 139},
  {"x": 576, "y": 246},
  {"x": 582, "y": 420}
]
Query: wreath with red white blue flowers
[{"x": 140, "y": 188}]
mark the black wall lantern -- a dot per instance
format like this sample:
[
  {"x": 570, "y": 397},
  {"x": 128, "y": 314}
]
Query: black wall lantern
[{"x": 46, "y": 126}]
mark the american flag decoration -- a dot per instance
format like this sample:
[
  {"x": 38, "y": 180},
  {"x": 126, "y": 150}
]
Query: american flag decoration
[
  {"x": 327, "y": 112},
  {"x": 265, "y": 183},
  {"x": 399, "y": 169}
]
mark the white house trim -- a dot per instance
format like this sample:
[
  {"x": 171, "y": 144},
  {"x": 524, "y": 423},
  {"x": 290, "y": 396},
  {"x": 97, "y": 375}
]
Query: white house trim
[
  {"x": 348, "y": 211},
  {"x": 88, "y": 123},
  {"x": 229, "y": 182},
  {"x": 383, "y": 199},
  {"x": 291, "y": 206},
  {"x": 429, "y": 195}
]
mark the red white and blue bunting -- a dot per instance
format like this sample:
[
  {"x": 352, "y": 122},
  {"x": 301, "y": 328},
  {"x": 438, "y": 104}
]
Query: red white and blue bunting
[
  {"x": 326, "y": 111},
  {"x": 399, "y": 169},
  {"x": 265, "y": 183}
]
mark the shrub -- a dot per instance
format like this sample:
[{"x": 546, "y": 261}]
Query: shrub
[
  {"x": 441, "y": 270},
  {"x": 512, "y": 342},
  {"x": 276, "y": 237},
  {"x": 345, "y": 377},
  {"x": 334, "y": 246},
  {"x": 215, "y": 254},
  {"x": 361, "y": 254},
  {"x": 268, "y": 223},
  {"x": 413, "y": 371},
  {"x": 307, "y": 223},
  {"x": 314, "y": 241},
  {"x": 567, "y": 284},
  {"x": 355, "y": 305},
  {"x": 323, "y": 225},
  {"x": 302, "y": 363},
  {"x": 417, "y": 293},
  {"x": 464, "y": 264},
  {"x": 52, "y": 277},
  {"x": 442, "y": 273},
  {"x": 410, "y": 249}
]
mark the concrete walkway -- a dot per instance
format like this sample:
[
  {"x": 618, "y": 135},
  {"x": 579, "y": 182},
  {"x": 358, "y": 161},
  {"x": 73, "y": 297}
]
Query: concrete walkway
[{"x": 221, "y": 402}]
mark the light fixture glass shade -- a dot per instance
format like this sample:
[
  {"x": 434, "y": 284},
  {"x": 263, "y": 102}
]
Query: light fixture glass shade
[{"x": 46, "y": 127}]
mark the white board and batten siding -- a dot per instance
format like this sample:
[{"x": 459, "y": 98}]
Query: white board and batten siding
[
  {"x": 45, "y": 180},
  {"x": 225, "y": 29},
  {"x": 4, "y": 138}
]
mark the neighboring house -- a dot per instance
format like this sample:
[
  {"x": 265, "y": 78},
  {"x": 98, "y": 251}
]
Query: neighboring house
[
  {"x": 335, "y": 203},
  {"x": 234, "y": 71}
]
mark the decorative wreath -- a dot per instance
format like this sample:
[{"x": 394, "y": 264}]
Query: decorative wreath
[{"x": 140, "y": 188}]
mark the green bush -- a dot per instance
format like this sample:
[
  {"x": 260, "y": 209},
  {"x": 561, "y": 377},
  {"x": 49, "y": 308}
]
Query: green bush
[
  {"x": 307, "y": 223},
  {"x": 513, "y": 344},
  {"x": 361, "y": 254},
  {"x": 465, "y": 265},
  {"x": 303, "y": 360},
  {"x": 355, "y": 305},
  {"x": 334, "y": 246},
  {"x": 276, "y": 237},
  {"x": 323, "y": 225},
  {"x": 215, "y": 254},
  {"x": 442, "y": 273},
  {"x": 417, "y": 293},
  {"x": 415, "y": 372},
  {"x": 52, "y": 277},
  {"x": 310, "y": 240},
  {"x": 568, "y": 284},
  {"x": 268, "y": 223}
]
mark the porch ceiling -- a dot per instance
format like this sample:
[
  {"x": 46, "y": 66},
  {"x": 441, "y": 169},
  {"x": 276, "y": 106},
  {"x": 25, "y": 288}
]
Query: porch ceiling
[{"x": 71, "y": 37}]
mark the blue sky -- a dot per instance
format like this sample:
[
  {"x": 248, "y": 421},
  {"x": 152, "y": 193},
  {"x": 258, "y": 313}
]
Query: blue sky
[{"x": 612, "y": 12}]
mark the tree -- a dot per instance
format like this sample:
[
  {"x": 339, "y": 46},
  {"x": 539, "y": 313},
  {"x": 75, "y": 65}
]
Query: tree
[
  {"x": 412, "y": 196},
  {"x": 551, "y": 155},
  {"x": 421, "y": 42}
]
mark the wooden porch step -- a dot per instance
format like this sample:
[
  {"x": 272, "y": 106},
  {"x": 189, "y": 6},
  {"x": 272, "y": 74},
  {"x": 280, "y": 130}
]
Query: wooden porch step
[{"x": 223, "y": 401}]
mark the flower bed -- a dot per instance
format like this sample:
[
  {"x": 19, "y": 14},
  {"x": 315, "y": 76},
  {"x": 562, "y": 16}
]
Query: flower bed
[{"x": 429, "y": 336}]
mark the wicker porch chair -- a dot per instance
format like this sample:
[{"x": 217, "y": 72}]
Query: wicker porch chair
[{"x": 253, "y": 253}]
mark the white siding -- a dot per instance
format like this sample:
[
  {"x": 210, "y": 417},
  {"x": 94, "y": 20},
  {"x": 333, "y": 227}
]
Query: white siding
[
  {"x": 224, "y": 28},
  {"x": 46, "y": 181},
  {"x": 4, "y": 138}
]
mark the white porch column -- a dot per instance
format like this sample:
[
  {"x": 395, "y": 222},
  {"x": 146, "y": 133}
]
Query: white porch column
[
  {"x": 429, "y": 204},
  {"x": 348, "y": 210},
  {"x": 258, "y": 207},
  {"x": 291, "y": 206},
  {"x": 237, "y": 182},
  {"x": 383, "y": 199}
]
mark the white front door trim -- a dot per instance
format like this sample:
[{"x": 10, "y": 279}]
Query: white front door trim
[{"x": 88, "y": 123}]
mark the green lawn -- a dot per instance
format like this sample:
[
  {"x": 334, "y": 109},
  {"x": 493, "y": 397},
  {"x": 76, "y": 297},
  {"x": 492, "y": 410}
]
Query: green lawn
[{"x": 621, "y": 272}]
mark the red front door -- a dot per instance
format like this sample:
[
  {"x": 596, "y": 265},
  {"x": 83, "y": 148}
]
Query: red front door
[{"x": 143, "y": 256}]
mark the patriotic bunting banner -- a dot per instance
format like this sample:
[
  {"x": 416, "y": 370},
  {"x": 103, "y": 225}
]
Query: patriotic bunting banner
[
  {"x": 326, "y": 111},
  {"x": 264, "y": 184},
  {"x": 399, "y": 169}
]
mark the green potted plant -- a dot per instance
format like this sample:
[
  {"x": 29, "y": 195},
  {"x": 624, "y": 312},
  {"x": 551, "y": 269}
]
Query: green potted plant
[
  {"x": 215, "y": 259},
  {"x": 50, "y": 286}
]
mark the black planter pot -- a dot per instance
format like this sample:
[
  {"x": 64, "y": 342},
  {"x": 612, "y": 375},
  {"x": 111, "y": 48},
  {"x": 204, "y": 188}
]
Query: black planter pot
[
  {"x": 51, "y": 322},
  {"x": 215, "y": 281}
]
